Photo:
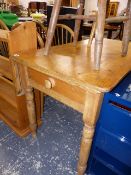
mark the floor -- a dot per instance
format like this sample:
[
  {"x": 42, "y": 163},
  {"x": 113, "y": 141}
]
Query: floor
[{"x": 54, "y": 152}]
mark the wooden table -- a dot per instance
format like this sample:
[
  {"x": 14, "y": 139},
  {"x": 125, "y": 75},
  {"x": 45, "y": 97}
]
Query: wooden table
[{"x": 68, "y": 75}]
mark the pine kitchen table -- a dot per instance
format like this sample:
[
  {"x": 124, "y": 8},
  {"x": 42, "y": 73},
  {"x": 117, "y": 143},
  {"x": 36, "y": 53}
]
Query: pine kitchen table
[{"x": 67, "y": 74}]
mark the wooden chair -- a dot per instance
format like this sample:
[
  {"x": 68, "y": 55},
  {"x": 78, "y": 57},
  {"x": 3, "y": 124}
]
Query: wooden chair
[
  {"x": 3, "y": 45},
  {"x": 40, "y": 44},
  {"x": 63, "y": 35},
  {"x": 3, "y": 25},
  {"x": 100, "y": 18},
  {"x": 40, "y": 32},
  {"x": 13, "y": 109}
]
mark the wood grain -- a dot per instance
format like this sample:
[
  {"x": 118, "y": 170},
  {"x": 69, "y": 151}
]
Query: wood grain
[
  {"x": 13, "y": 109},
  {"x": 75, "y": 65}
]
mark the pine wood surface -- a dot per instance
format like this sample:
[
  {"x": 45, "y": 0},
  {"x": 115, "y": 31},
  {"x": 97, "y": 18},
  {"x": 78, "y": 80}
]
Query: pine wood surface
[
  {"x": 68, "y": 75},
  {"x": 75, "y": 64}
]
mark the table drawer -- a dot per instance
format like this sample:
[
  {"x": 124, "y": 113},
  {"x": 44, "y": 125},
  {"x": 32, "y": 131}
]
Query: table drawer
[{"x": 53, "y": 86}]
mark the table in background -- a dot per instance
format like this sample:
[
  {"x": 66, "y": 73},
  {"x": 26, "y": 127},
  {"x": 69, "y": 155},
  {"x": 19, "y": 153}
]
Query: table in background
[{"x": 110, "y": 28}]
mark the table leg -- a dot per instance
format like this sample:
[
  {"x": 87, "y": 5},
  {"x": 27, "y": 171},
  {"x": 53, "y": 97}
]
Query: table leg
[
  {"x": 30, "y": 102},
  {"x": 31, "y": 110},
  {"x": 91, "y": 112}
]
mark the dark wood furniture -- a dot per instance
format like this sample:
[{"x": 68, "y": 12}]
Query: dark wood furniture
[
  {"x": 67, "y": 74},
  {"x": 13, "y": 2},
  {"x": 3, "y": 5},
  {"x": 37, "y": 6},
  {"x": 65, "y": 10},
  {"x": 13, "y": 109}
]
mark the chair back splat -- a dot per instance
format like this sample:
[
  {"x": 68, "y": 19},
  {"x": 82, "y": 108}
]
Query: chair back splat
[
  {"x": 63, "y": 35},
  {"x": 100, "y": 20}
]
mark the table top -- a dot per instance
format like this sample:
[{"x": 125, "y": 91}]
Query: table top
[{"x": 76, "y": 64}]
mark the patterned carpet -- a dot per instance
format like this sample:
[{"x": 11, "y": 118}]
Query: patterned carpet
[{"x": 54, "y": 152}]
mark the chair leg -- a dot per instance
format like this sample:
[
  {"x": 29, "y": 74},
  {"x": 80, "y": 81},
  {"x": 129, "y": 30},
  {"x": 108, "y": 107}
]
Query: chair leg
[
  {"x": 52, "y": 25},
  {"x": 78, "y": 21},
  {"x": 99, "y": 32},
  {"x": 92, "y": 34},
  {"x": 127, "y": 31}
]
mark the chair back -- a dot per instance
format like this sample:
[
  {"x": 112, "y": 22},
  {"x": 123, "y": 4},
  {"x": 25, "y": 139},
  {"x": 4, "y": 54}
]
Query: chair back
[
  {"x": 63, "y": 35},
  {"x": 3, "y": 25},
  {"x": 3, "y": 43},
  {"x": 41, "y": 33}
]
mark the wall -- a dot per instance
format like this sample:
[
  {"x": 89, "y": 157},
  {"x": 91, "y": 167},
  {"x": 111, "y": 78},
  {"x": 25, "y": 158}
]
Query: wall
[{"x": 92, "y": 5}]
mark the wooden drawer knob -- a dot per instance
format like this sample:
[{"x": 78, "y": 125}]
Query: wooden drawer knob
[{"x": 50, "y": 83}]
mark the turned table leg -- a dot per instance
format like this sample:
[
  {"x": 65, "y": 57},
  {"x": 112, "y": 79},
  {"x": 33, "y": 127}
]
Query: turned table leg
[
  {"x": 99, "y": 32},
  {"x": 30, "y": 102},
  {"x": 78, "y": 21},
  {"x": 91, "y": 112},
  {"x": 127, "y": 30},
  {"x": 31, "y": 110}
]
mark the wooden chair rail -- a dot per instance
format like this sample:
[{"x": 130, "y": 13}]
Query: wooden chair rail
[
  {"x": 92, "y": 18},
  {"x": 4, "y": 35},
  {"x": 63, "y": 35}
]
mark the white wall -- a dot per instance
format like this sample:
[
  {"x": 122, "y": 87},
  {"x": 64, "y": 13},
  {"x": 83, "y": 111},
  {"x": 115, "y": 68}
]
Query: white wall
[
  {"x": 25, "y": 2},
  {"x": 92, "y": 5}
]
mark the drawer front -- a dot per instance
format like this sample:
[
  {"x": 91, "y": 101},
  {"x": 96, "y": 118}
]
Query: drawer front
[
  {"x": 116, "y": 120},
  {"x": 5, "y": 67},
  {"x": 63, "y": 89},
  {"x": 118, "y": 146}
]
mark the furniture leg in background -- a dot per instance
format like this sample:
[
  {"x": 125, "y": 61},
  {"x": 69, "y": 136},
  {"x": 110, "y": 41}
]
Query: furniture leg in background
[
  {"x": 99, "y": 32},
  {"x": 92, "y": 34},
  {"x": 78, "y": 21},
  {"x": 127, "y": 30},
  {"x": 52, "y": 25}
]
